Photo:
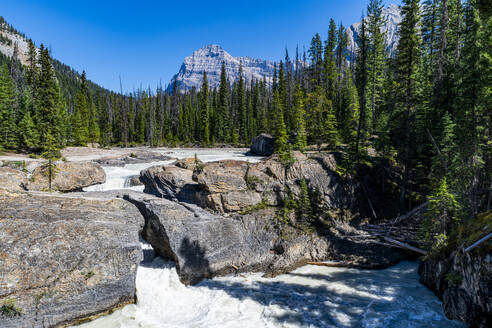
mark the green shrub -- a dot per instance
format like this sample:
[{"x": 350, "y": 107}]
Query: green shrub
[
  {"x": 454, "y": 278},
  {"x": 9, "y": 309}
]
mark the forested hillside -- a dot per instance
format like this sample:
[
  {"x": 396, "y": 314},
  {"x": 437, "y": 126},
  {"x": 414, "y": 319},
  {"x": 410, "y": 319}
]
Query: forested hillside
[{"x": 427, "y": 108}]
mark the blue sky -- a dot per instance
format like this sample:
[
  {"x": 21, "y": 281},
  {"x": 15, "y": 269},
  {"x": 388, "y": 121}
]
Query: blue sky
[{"x": 145, "y": 42}]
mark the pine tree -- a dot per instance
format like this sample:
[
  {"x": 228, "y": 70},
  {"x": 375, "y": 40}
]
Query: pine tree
[
  {"x": 305, "y": 209},
  {"x": 241, "y": 107},
  {"x": 28, "y": 134},
  {"x": 300, "y": 124},
  {"x": 8, "y": 129},
  {"x": 281, "y": 138},
  {"x": 316, "y": 56},
  {"x": 32, "y": 70},
  {"x": 223, "y": 108},
  {"x": 48, "y": 101},
  {"x": 375, "y": 58},
  {"x": 204, "y": 111},
  {"x": 51, "y": 153},
  {"x": 361, "y": 78},
  {"x": 80, "y": 127},
  {"x": 93, "y": 125},
  {"x": 408, "y": 58},
  {"x": 330, "y": 69}
]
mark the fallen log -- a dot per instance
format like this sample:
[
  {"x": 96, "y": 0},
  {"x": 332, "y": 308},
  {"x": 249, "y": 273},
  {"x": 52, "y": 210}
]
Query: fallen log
[
  {"x": 478, "y": 242},
  {"x": 404, "y": 245}
]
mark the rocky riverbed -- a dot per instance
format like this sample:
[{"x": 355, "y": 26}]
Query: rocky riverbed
[{"x": 227, "y": 217}]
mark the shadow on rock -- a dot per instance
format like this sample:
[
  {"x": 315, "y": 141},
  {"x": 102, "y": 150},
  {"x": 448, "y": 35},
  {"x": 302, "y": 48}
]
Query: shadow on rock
[{"x": 194, "y": 264}]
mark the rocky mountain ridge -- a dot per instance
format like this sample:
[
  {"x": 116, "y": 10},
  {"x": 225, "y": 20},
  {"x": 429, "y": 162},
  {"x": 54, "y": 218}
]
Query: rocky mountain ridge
[
  {"x": 210, "y": 58},
  {"x": 392, "y": 16}
]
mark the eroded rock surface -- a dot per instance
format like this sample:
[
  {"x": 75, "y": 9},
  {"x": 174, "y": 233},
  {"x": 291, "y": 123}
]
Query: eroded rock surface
[
  {"x": 11, "y": 179},
  {"x": 263, "y": 144},
  {"x": 69, "y": 176},
  {"x": 64, "y": 259},
  {"x": 463, "y": 280},
  {"x": 229, "y": 216}
]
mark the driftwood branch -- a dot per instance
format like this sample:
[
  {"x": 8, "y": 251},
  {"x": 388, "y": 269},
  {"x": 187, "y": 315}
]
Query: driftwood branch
[
  {"x": 405, "y": 246},
  {"x": 478, "y": 242}
]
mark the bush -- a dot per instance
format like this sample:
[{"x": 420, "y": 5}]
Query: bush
[
  {"x": 9, "y": 309},
  {"x": 454, "y": 278}
]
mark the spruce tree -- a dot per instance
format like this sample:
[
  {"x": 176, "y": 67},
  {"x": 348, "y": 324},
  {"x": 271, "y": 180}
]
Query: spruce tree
[
  {"x": 300, "y": 124},
  {"x": 48, "y": 101},
  {"x": 361, "y": 78},
  {"x": 223, "y": 108},
  {"x": 204, "y": 111},
  {"x": 241, "y": 107},
  {"x": 281, "y": 138},
  {"x": 408, "y": 58},
  {"x": 376, "y": 56},
  {"x": 8, "y": 128}
]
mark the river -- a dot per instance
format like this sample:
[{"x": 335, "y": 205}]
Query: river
[{"x": 310, "y": 296}]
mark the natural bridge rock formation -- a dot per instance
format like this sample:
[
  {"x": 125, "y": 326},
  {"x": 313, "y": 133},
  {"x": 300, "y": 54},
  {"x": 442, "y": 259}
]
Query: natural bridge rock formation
[
  {"x": 230, "y": 216},
  {"x": 65, "y": 258}
]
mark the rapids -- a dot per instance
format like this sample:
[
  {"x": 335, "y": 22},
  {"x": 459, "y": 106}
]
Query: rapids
[{"x": 310, "y": 296}]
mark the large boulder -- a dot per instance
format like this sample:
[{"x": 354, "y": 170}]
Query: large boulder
[
  {"x": 133, "y": 181},
  {"x": 11, "y": 179},
  {"x": 64, "y": 259},
  {"x": 263, "y": 145},
  {"x": 205, "y": 245},
  {"x": 69, "y": 176},
  {"x": 223, "y": 176},
  {"x": 233, "y": 186},
  {"x": 170, "y": 182}
]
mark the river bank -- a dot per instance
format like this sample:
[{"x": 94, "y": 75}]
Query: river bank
[{"x": 309, "y": 296}]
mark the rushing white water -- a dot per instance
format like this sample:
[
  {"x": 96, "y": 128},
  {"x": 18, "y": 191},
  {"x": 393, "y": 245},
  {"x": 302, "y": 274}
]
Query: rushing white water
[
  {"x": 311, "y": 296},
  {"x": 116, "y": 176}
]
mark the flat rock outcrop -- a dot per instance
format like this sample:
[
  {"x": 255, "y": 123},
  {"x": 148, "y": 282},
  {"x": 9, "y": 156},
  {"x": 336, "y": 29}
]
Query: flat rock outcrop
[
  {"x": 69, "y": 176},
  {"x": 11, "y": 179},
  {"x": 64, "y": 259},
  {"x": 136, "y": 157}
]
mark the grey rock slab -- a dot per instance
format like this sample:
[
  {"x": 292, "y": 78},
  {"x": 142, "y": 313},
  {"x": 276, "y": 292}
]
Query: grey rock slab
[{"x": 64, "y": 259}]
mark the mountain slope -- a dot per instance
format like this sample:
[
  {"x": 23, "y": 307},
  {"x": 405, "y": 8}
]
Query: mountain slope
[
  {"x": 392, "y": 16},
  {"x": 209, "y": 59}
]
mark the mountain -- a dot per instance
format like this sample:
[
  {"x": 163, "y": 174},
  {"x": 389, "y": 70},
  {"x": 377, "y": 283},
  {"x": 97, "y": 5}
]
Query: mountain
[
  {"x": 11, "y": 40},
  {"x": 209, "y": 59},
  {"x": 392, "y": 16}
]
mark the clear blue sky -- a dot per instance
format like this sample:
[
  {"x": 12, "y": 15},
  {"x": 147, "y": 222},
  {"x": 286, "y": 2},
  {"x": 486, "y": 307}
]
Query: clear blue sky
[{"x": 146, "y": 41}]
